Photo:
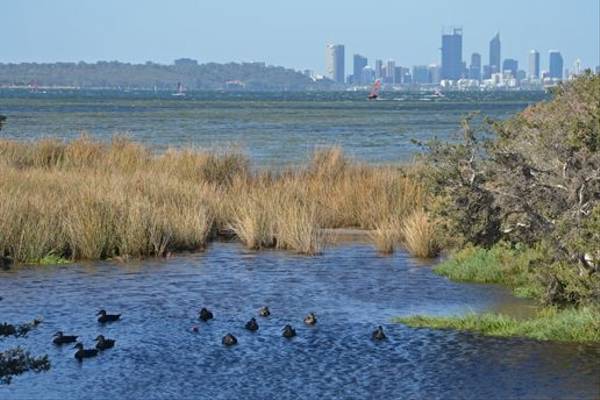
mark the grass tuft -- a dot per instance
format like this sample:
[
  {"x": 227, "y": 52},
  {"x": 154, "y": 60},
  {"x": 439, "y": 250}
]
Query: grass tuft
[{"x": 569, "y": 325}]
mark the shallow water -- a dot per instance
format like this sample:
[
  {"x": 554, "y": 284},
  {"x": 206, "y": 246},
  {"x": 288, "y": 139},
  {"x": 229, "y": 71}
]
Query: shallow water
[
  {"x": 350, "y": 287},
  {"x": 273, "y": 129}
]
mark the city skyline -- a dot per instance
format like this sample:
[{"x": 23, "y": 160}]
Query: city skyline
[
  {"x": 453, "y": 67},
  {"x": 291, "y": 35}
]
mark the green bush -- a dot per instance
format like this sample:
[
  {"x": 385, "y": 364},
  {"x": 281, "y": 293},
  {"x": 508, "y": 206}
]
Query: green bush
[{"x": 532, "y": 181}]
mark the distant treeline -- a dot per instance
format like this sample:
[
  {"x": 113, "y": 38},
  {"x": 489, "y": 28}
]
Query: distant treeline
[{"x": 211, "y": 76}]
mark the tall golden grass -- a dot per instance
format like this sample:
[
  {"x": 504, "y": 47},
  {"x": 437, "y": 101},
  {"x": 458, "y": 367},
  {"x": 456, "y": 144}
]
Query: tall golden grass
[{"x": 87, "y": 199}]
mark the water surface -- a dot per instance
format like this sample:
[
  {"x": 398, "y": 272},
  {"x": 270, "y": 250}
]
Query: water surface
[
  {"x": 274, "y": 129},
  {"x": 350, "y": 287}
]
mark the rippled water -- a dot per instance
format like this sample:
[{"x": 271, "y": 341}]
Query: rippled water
[
  {"x": 272, "y": 128},
  {"x": 350, "y": 287}
]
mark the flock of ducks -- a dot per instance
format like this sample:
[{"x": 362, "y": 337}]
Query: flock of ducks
[
  {"x": 287, "y": 332},
  {"x": 204, "y": 315},
  {"x": 102, "y": 343}
]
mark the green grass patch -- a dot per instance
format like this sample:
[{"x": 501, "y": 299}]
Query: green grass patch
[
  {"x": 500, "y": 264},
  {"x": 569, "y": 325},
  {"x": 51, "y": 259}
]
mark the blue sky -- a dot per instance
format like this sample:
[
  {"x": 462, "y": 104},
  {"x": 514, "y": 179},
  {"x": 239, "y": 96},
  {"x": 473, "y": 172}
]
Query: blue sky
[{"x": 292, "y": 33}]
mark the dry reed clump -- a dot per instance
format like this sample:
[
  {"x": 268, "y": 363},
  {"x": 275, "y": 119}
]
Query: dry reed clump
[
  {"x": 87, "y": 199},
  {"x": 419, "y": 235},
  {"x": 387, "y": 235}
]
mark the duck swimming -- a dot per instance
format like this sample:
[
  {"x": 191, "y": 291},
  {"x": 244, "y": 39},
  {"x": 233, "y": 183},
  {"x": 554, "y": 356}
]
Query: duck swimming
[
  {"x": 102, "y": 343},
  {"x": 82, "y": 353},
  {"x": 229, "y": 340},
  {"x": 288, "y": 332},
  {"x": 60, "y": 338},
  {"x": 252, "y": 325},
  {"x": 378, "y": 334},
  {"x": 205, "y": 315},
  {"x": 264, "y": 311},
  {"x": 104, "y": 317},
  {"x": 310, "y": 319}
]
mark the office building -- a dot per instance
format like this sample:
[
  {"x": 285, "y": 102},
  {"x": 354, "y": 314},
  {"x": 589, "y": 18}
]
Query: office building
[
  {"x": 452, "y": 64},
  {"x": 534, "y": 64},
  {"x": 486, "y": 72},
  {"x": 475, "y": 67},
  {"x": 556, "y": 64},
  {"x": 334, "y": 60},
  {"x": 378, "y": 69},
  {"x": 435, "y": 73},
  {"x": 421, "y": 75},
  {"x": 511, "y": 66},
  {"x": 390, "y": 71},
  {"x": 359, "y": 63},
  {"x": 495, "y": 54},
  {"x": 367, "y": 75}
]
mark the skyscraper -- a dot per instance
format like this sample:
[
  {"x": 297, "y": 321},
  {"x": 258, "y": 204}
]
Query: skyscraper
[
  {"x": 359, "y": 63},
  {"x": 534, "y": 64},
  {"x": 556, "y": 64},
  {"x": 390, "y": 70},
  {"x": 475, "y": 67},
  {"x": 334, "y": 60},
  {"x": 495, "y": 54},
  {"x": 510, "y": 65},
  {"x": 421, "y": 74},
  {"x": 378, "y": 69},
  {"x": 452, "y": 65}
]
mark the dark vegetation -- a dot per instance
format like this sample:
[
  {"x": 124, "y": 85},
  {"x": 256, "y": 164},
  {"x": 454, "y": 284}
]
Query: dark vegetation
[
  {"x": 17, "y": 361},
  {"x": 211, "y": 76},
  {"x": 529, "y": 185}
]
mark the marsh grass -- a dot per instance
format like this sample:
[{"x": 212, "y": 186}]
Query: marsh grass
[
  {"x": 569, "y": 325},
  {"x": 501, "y": 264},
  {"x": 87, "y": 199},
  {"x": 419, "y": 235}
]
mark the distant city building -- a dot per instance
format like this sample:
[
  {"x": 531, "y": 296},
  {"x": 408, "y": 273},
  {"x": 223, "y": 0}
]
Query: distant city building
[
  {"x": 406, "y": 77},
  {"x": 334, "y": 60},
  {"x": 577, "y": 67},
  {"x": 378, "y": 69},
  {"x": 390, "y": 71},
  {"x": 308, "y": 72},
  {"x": 534, "y": 64},
  {"x": 495, "y": 54},
  {"x": 521, "y": 75},
  {"x": 487, "y": 72},
  {"x": 510, "y": 65},
  {"x": 475, "y": 67},
  {"x": 420, "y": 74},
  {"x": 452, "y": 64},
  {"x": 367, "y": 75},
  {"x": 398, "y": 75},
  {"x": 556, "y": 64},
  {"x": 359, "y": 63},
  {"x": 435, "y": 73}
]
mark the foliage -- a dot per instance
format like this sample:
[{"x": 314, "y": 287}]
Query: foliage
[
  {"x": 210, "y": 76},
  {"x": 18, "y": 361},
  {"x": 533, "y": 180},
  {"x": 568, "y": 325}
]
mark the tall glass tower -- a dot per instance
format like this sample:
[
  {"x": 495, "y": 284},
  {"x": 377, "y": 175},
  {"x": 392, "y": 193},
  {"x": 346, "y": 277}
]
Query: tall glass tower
[
  {"x": 495, "y": 65},
  {"x": 334, "y": 60},
  {"x": 534, "y": 64},
  {"x": 452, "y": 65},
  {"x": 556, "y": 64}
]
